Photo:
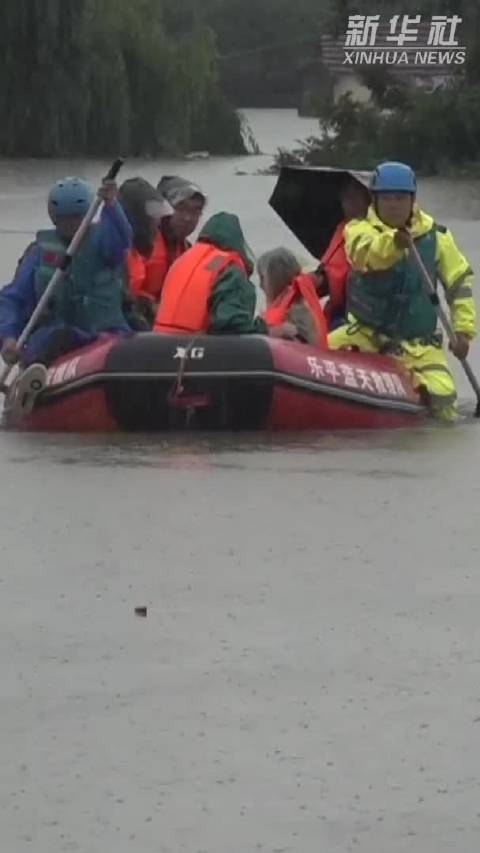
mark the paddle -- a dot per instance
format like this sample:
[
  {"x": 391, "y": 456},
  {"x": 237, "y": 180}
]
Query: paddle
[
  {"x": 60, "y": 272},
  {"x": 430, "y": 289}
]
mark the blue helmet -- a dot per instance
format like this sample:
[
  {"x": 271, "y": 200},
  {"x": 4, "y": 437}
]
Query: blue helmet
[
  {"x": 69, "y": 197},
  {"x": 393, "y": 177}
]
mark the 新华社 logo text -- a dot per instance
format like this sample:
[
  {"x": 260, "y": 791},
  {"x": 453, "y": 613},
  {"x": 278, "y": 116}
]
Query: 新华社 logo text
[{"x": 406, "y": 40}]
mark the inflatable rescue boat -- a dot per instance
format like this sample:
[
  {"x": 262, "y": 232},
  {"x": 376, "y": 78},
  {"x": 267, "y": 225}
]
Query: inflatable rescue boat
[{"x": 151, "y": 382}]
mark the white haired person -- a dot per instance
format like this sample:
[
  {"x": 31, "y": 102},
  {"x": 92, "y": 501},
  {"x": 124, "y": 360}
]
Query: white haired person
[{"x": 291, "y": 296}]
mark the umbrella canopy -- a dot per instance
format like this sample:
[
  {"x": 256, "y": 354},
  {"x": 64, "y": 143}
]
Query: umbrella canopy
[{"x": 307, "y": 199}]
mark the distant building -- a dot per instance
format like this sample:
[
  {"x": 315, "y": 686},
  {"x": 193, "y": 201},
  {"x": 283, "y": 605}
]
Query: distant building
[{"x": 427, "y": 66}]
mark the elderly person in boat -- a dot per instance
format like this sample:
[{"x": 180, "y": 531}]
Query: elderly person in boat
[
  {"x": 89, "y": 300},
  {"x": 389, "y": 308},
  {"x": 291, "y": 297}
]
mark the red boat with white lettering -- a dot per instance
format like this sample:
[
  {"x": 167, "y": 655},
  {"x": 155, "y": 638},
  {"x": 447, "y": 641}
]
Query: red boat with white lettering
[{"x": 152, "y": 382}]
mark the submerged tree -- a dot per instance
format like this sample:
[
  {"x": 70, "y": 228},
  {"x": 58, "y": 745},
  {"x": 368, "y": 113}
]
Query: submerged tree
[{"x": 103, "y": 76}]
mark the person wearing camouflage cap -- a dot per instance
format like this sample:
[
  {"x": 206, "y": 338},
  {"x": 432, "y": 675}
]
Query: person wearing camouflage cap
[{"x": 188, "y": 202}]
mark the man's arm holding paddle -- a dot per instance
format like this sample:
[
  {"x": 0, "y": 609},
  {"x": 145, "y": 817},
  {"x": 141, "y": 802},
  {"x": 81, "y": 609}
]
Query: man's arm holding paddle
[
  {"x": 456, "y": 276},
  {"x": 116, "y": 231}
]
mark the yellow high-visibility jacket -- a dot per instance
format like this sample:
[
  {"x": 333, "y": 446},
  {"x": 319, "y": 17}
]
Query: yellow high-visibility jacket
[{"x": 370, "y": 246}]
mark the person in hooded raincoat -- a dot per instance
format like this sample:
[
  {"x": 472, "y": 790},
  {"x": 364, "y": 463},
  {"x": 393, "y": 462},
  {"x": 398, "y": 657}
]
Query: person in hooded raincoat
[
  {"x": 208, "y": 290},
  {"x": 89, "y": 299}
]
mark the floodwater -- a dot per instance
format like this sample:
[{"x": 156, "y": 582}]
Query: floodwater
[{"x": 307, "y": 677}]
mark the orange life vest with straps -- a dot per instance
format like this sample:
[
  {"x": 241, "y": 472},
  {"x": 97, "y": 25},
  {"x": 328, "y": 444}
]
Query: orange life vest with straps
[
  {"x": 147, "y": 275},
  {"x": 301, "y": 287},
  {"x": 184, "y": 306},
  {"x": 337, "y": 269}
]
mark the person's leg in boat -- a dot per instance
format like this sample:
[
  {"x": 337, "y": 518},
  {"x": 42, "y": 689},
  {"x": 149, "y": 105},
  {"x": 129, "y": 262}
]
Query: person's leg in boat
[
  {"x": 48, "y": 343},
  {"x": 44, "y": 346},
  {"x": 354, "y": 336},
  {"x": 427, "y": 364},
  {"x": 432, "y": 377}
]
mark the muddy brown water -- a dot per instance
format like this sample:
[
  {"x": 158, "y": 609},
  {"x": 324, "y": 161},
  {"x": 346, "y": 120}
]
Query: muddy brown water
[{"x": 307, "y": 676}]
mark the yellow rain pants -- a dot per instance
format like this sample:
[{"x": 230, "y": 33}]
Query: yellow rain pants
[{"x": 427, "y": 363}]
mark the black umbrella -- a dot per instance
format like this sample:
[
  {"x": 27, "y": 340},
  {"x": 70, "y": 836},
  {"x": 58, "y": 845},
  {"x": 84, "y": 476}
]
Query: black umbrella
[{"x": 307, "y": 199}]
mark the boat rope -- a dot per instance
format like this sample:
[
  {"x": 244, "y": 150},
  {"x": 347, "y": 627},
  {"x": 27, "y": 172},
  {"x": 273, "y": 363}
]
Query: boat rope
[{"x": 177, "y": 388}]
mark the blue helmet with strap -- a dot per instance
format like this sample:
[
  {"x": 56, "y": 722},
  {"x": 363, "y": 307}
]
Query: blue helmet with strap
[
  {"x": 69, "y": 197},
  {"x": 393, "y": 177}
]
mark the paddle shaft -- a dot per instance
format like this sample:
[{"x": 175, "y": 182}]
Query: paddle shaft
[
  {"x": 450, "y": 332},
  {"x": 60, "y": 272}
]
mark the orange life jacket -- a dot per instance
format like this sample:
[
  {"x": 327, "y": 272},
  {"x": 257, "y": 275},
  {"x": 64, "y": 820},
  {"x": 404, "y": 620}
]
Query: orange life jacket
[
  {"x": 300, "y": 287},
  {"x": 337, "y": 269},
  {"x": 184, "y": 307},
  {"x": 147, "y": 275}
]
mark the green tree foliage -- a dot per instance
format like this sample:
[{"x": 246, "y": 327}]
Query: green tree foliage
[
  {"x": 434, "y": 132},
  {"x": 105, "y": 76},
  {"x": 263, "y": 45}
]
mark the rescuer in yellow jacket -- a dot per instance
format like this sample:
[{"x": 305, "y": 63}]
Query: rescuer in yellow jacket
[{"x": 388, "y": 308}]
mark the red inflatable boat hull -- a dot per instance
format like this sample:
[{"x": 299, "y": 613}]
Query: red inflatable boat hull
[{"x": 157, "y": 382}]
